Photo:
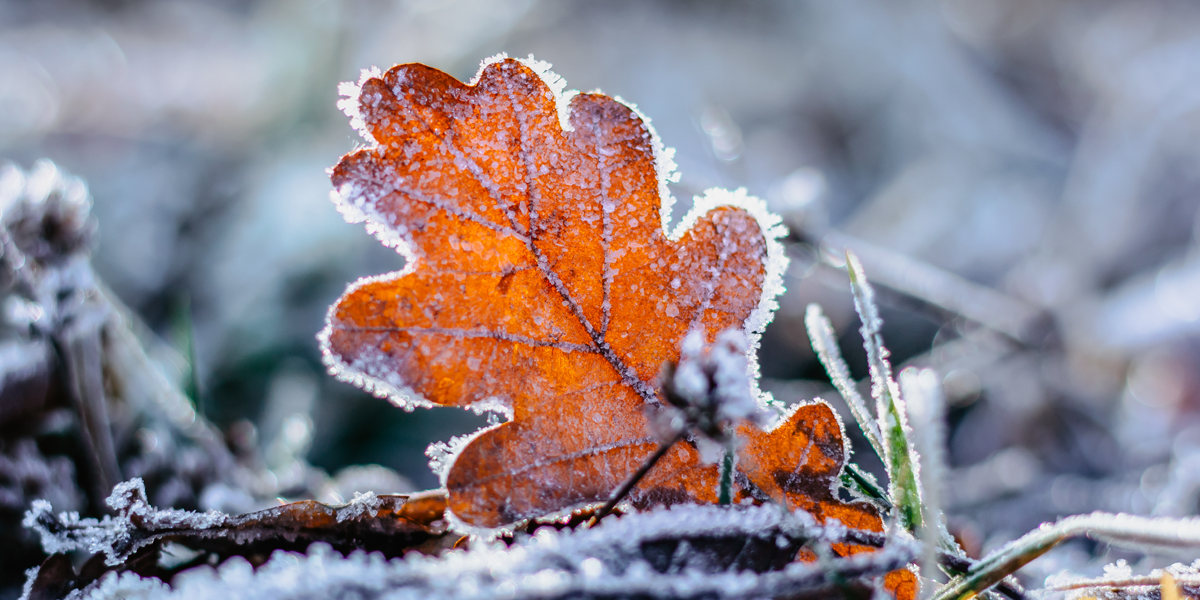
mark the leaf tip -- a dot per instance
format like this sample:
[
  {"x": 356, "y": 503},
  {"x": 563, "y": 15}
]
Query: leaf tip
[{"x": 854, "y": 268}]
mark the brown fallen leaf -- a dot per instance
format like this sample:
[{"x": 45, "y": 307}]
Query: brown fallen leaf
[
  {"x": 391, "y": 524},
  {"x": 541, "y": 283},
  {"x": 133, "y": 540}
]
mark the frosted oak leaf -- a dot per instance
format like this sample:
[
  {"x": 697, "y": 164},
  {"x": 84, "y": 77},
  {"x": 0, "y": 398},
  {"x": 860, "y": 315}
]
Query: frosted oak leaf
[{"x": 541, "y": 282}]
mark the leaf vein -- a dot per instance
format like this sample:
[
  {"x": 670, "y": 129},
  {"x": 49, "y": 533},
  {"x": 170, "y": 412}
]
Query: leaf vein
[
  {"x": 606, "y": 232},
  {"x": 476, "y": 333},
  {"x": 624, "y": 371},
  {"x": 458, "y": 211},
  {"x": 714, "y": 273},
  {"x": 481, "y": 177},
  {"x": 572, "y": 456}
]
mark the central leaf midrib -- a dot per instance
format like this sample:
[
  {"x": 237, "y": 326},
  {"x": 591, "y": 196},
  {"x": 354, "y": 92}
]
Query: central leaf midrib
[{"x": 623, "y": 371}]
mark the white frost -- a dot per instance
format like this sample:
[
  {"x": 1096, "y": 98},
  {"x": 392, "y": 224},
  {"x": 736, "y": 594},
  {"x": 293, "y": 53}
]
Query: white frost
[
  {"x": 730, "y": 358},
  {"x": 362, "y": 504},
  {"x": 372, "y": 369},
  {"x": 690, "y": 380},
  {"x": 442, "y": 454},
  {"x": 609, "y": 560},
  {"x": 664, "y": 167},
  {"x": 113, "y": 535},
  {"x": 349, "y": 103}
]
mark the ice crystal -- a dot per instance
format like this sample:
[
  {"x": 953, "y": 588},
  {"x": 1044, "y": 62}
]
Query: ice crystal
[
  {"x": 117, "y": 537},
  {"x": 668, "y": 553}
]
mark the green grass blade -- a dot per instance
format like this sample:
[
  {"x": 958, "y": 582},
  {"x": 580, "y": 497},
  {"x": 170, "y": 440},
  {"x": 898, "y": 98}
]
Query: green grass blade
[
  {"x": 904, "y": 487},
  {"x": 863, "y": 484},
  {"x": 725, "y": 493},
  {"x": 824, "y": 343},
  {"x": 1125, "y": 530}
]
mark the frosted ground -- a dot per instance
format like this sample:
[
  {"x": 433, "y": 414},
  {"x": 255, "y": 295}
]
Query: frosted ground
[{"x": 1018, "y": 178}]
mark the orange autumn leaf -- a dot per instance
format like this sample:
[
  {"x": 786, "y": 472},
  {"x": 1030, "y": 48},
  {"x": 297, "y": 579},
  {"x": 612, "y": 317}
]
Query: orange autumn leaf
[{"x": 541, "y": 283}]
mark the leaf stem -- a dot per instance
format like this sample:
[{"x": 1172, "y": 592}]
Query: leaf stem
[{"x": 633, "y": 480}]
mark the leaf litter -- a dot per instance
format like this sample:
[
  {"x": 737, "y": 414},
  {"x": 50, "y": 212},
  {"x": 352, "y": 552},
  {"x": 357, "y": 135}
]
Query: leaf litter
[{"x": 390, "y": 524}]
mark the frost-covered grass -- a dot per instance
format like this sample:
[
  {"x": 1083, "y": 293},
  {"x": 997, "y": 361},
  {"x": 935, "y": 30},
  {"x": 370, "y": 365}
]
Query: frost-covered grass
[{"x": 912, "y": 455}]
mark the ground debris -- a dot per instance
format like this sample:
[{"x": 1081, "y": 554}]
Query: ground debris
[
  {"x": 134, "y": 539},
  {"x": 681, "y": 552}
]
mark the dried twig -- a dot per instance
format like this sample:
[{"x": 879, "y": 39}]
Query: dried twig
[
  {"x": 633, "y": 480},
  {"x": 392, "y": 524},
  {"x": 80, "y": 355}
]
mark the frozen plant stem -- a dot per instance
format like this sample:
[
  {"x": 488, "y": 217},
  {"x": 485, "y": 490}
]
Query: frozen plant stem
[
  {"x": 925, "y": 407},
  {"x": 725, "y": 496},
  {"x": 898, "y": 455},
  {"x": 633, "y": 480},
  {"x": 79, "y": 349},
  {"x": 1127, "y": 530}
]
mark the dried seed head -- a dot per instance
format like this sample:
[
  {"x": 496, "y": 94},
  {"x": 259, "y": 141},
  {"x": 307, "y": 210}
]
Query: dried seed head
[
  {"x": 45, "y": 213},
  {"x": 709, "y": 390}
]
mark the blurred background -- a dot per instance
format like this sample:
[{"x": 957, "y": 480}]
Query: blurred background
[{"x": 1021, "y": 179}]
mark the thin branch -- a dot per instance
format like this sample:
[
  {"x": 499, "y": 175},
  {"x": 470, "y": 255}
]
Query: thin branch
[
  {"x": 1122, "y": 582},
  {"x": 633, "y": 480},
  {"x": 80, "y": 350}
]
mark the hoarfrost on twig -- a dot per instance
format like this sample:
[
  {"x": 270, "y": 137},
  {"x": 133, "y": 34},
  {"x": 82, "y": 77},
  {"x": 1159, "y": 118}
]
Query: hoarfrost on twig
[
  {"x": 1119, "y": 581},
  {"x": 117, "y": 537},
  {"x": 645, "y": 555}
]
